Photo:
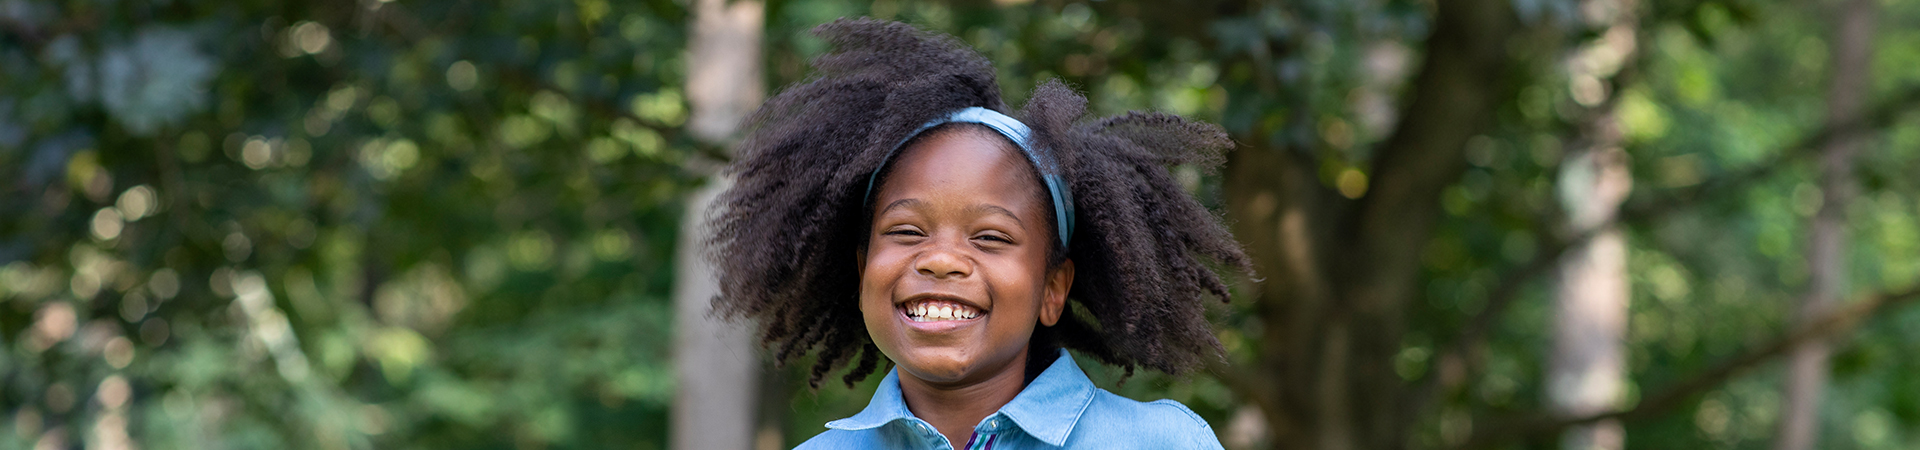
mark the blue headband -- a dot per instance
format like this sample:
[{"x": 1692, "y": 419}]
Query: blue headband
[{"x": 1017, "y": 132}]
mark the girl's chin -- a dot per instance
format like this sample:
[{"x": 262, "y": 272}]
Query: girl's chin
[
  {"x": 950, "y": 370},
  {"x": 936, "y": 370}
]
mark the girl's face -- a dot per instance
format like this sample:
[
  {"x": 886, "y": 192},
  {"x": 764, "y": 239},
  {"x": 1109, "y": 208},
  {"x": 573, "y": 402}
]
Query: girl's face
[{"x": 955, "y": 277}]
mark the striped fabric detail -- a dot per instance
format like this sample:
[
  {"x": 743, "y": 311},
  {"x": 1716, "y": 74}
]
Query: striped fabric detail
[{"x": 974, "y": 442}]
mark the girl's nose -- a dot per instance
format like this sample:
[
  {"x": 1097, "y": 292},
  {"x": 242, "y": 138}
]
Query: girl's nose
[{"x": 943, "y": 261}]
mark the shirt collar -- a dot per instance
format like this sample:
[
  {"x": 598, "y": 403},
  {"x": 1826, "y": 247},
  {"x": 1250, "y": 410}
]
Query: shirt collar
[
  {"x": 1046, "y": 409},
  {"x": 1049, "y": 407},
  {"x": 887, "y": 406}
]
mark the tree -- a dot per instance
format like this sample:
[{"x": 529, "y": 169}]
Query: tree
[
  {"x": 352, "y": 225},
  {"x": 717, "y": 405},
  {"x": 1587, "y": 370},
  {"x": 1342, "y": 265},
  {"x": 1853, "y": 27},
  {"x": 452, "y": 224},
  {"x": 1332, "y": 365}
]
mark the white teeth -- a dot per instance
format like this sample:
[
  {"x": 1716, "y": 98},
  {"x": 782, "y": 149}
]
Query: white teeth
[{"x": 929, "y": 312}]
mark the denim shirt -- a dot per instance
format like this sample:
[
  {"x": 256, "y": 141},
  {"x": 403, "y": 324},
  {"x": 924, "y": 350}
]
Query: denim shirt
[{"x": 1060, "y": 409}]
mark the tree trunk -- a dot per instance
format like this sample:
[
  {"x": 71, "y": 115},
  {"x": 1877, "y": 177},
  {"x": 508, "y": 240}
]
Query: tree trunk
[
  {"x": 1586, "y": 374},
  {"x": 1588, "y": 367},
  {"x": 1826, "y": 250},
  {"x": 717, "y": 402},
  {"x": 1339, "y": 273},
  {"x": 1587, "y": 370},
  {"x": 1454, "y": 96}
]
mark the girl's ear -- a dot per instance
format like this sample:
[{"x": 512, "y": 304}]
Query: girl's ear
[{"x": 1059, "y": 281}]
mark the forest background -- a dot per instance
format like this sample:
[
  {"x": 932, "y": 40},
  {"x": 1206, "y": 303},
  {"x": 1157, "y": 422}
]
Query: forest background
[{"x": 461, "y": 224}]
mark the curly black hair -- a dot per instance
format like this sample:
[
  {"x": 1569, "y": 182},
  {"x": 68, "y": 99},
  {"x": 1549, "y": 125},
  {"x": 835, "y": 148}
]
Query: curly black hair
[{"x": 787, "y": 232}]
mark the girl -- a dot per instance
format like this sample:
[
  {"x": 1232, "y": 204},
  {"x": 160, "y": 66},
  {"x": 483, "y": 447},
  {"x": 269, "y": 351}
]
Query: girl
[{"x": 891, "y": 208}]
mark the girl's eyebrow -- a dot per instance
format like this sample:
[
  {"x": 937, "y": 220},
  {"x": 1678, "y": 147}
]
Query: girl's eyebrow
[
  {"x": 984, "y": 208},
  {"x": 908, "y": 202}
]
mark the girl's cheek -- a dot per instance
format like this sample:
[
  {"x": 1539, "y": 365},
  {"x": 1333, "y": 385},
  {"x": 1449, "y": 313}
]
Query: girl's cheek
[
  {"x": 879, "y": 273},
  {"x": 888, "y": 261}
]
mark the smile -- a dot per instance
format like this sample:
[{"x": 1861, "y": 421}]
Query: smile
[{"x": 939, "y": 311}]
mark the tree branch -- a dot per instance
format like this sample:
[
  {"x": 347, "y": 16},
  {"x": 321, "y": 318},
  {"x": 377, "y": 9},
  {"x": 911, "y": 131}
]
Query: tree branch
[
  {"x": 1503, "y": 294},
  {"x": 36, "y": 35},
  {"x": 1839, "y": 322},
  {"x": 1453, "y": 97},
  {"x": 1880, "y": 116},
  {"x": 1455, "y": 353}
]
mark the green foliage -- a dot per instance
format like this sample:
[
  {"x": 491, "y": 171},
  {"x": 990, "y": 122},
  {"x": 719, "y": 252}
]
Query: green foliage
[
  {"x": 450, "y": 224},
  {"x": 267, "y": 225}
]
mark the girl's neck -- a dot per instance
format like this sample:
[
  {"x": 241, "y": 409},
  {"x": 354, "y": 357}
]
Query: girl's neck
[{"x": 954, "y": 409}]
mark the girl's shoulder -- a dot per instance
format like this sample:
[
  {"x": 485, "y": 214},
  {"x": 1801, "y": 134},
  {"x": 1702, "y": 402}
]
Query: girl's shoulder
[{"x": 1113, "y": 421}]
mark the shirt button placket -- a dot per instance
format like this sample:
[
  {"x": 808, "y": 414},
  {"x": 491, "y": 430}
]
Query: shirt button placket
[
  {"x": 985, "y": 433},
  {"x": 926, "y": 432}
]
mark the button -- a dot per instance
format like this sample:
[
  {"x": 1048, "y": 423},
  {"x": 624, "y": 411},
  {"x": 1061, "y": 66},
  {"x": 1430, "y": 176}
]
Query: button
[{"x": 993, "y": 423}]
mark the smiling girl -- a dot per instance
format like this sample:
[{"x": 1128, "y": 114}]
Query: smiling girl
[{"x": 892, "y": 209}]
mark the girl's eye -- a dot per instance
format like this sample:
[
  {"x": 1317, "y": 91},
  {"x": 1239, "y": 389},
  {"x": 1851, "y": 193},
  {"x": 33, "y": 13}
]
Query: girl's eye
[
  {"x": 902, "y": 232},
  {"x": 996, "y": 238}
]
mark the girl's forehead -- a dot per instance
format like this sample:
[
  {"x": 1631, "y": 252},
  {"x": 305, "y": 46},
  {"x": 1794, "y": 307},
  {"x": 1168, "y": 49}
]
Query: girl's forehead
[
  {"x": 979, "y": 161},
  {"x": 961, "y": 143}
]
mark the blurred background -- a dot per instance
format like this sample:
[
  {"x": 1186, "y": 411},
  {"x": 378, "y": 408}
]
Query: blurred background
[{"x": 1581, "y": 224}]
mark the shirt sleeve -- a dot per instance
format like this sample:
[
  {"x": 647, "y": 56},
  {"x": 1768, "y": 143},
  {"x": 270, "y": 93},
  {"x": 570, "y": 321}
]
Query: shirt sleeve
[{"x": 1203, "y": 436}]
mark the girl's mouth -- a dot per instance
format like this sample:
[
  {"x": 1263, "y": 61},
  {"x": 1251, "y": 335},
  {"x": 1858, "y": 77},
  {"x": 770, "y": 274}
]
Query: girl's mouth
[{"x": 932, "y": 310}]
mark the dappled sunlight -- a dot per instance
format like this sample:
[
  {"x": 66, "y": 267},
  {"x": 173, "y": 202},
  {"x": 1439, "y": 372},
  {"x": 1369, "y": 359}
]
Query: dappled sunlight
[{"x": 446, "y": 224}]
